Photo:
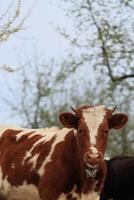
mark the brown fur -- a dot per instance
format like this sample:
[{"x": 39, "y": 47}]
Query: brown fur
[{"x": 67, "y": 166}]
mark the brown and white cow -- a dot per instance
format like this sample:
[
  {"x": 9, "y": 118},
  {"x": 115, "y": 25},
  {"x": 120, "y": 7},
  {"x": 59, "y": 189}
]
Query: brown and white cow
[{"x": 55, "y": 164}]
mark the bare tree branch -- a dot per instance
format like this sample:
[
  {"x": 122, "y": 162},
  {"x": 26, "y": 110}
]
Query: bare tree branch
[{"x": 105, "y": 55}]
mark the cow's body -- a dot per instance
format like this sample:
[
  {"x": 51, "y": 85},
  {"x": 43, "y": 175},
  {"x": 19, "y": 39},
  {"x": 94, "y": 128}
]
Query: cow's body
[
  {"x": 55, "y": 164},
  {"x": 119, "y": 184},
  {"x": 32, "y": 160}
]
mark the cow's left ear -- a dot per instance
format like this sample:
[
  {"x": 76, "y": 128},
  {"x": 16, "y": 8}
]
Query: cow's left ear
[
  {"x": 118, "y": 121},
  {"x": 68, "y": 120}
]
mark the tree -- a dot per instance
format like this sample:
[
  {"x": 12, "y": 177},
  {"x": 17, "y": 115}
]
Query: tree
[
  {"x": 50, "y": 89},
  {"x": 100, "y": 69},
  {"x": 104, "y": 38},
  {"x": 11, "y": 22}
]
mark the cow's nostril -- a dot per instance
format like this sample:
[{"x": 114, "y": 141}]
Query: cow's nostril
[{"x": 94, "y": 156}]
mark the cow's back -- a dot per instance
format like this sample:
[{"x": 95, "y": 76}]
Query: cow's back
[
  {"x": 19, "y": 151},
  {"x": 24, "y": 153}
]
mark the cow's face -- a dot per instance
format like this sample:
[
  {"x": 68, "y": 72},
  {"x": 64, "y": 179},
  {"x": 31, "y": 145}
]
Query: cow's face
[{"x": 92, "y": 124}]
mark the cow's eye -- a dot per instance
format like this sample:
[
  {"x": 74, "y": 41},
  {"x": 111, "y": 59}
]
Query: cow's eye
[
  {"x": 80, "y": 131},
  {"x": 106, "y": 131}
]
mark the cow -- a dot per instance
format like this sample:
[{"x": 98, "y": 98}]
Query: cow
[
  {"x": 119, "y": 183},
  {"x": 54, "y": 163}
]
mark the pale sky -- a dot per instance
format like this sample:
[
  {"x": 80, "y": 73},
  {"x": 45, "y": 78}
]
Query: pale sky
[{"x": 39, "y": 32}]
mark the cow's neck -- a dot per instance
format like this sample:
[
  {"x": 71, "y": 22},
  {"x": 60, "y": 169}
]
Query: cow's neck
[
  {"x": 76, "y": 168},
  {"x": 101, "y": 176},
  {"x": 95, "y": 183}
]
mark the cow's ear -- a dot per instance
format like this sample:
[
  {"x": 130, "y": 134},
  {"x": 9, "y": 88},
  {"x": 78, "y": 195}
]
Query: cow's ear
[
  {"x": 68, "y": 120},
  {"x": 118, "y": 121}
]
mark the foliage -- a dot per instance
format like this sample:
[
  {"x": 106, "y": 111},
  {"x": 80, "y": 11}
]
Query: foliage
[
  {"x": 11, "y": 22},
  {"x": 99, "y": 70},
  {"x": 104, "y": 39},
  {"x": 45, "y": 89}
]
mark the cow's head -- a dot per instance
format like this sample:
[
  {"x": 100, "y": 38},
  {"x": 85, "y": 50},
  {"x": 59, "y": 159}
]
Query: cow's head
[{"x": 92, "y": 124}]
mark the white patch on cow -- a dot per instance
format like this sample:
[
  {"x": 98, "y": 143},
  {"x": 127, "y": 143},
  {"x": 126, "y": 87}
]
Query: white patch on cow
[
  {"x": 44, "y": 131},
  {"x": 52, "y": 129},
  {"x": 91, "y": 173},
  {"x": 19, "y": 135},
  {"x": 24, "y": 131},
  {"x": 91, "y": 166},
  {"x": 24, "y": 192},
  {"x": 12, "y": 166},
  {"x": 33, "y": 160},
  {"x": 73, "y": 194},
  {"x": 60, "y": 136},
  {"x": 92, "y": 195},
  {"x": 29, "y": 153},
  {"x": 5, "y": 186},
  {"x": 1, "y": 179},
  {"x": 62, "y": 197},
  {"x": 33, "y": 133},
  {"x": 93, "y": 150},
  {"x": 47, "y": 135},
  {"x": 75, "y": 132},
  {"x": 93, "y": 117}
]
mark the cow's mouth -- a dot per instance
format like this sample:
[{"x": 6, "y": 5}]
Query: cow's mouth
[
  {"x": 92, "y": 164},
  {"x": 91, "y": 170}
]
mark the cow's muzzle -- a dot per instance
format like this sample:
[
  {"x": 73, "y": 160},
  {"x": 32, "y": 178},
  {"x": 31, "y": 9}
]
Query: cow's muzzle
[{"x": 92, "y": 159}]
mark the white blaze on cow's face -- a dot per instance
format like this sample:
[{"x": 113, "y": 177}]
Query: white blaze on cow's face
[
  {"x": 94, "y": 117},
  {"x": 92, "y": 124}
]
